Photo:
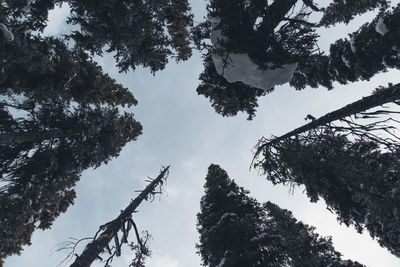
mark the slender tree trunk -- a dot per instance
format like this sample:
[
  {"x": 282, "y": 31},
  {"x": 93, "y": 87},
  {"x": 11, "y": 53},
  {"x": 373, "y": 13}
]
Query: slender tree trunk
[
  {"x": 275, "y": 13},
  {"x": 94, "y": 248},
  {"x": 7, "y": 139},
  {"x": 384, "y": 96}
]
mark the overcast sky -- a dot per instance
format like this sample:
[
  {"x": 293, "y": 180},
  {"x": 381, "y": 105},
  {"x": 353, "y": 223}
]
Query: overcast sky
[{"x": 181, "y": 129}]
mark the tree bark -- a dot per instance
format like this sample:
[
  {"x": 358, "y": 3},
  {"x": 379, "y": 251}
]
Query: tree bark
[
  {"x": 94, "y": 248},
  {"x": 275, "y": 14},
  {"x": 385, "y": 96}
]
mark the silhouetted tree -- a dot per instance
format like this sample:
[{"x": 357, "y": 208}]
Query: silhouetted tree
[
  {"x": 235, "y": 230},
  {"x": 58, "y": 117},
  {"x": 350, "y": 164}
]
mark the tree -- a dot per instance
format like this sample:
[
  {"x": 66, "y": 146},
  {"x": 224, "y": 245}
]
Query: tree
[
  {"x": 340, "y": 11},
  {"x": 58, "y": 116},
  {"x": 381, "y": 96},
  {"x": 227, "y": 98},
  {"x": 139, "y": 33},
  {"x": 123, "y": 223},
  {"x": 282, "y": 47},
  {"x": 235, "y": 230},
  {"x": 41, "y": 171},
  {"x": 357, "y": 180},
  {"x": 134, "y": 30},
  {"x": 250, "y": 28},
  {"x": 370, "y": 50},
  {"x": 350, "y": 164}
]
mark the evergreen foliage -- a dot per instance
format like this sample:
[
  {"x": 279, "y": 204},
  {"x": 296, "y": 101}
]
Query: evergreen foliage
[
  {"x": 227, "y": 98},
  {"x": 58, "y": 116},
  {"x": 366, "y": 54},
  {"x": 272, "y": 36},
  {"x": 344, "y": 11},
  {"x": 357, "y": 180},
  {"x": 140, "y": 33},
  {"x": 236, "y": 230}
]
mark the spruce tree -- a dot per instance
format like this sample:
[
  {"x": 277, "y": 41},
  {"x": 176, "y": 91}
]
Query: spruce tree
[
  {"x": 272, "y": 37},
  {"x": 358, "y": 181},
  {"x": 40, "y": 171},
  {"x": 139, "y": 33},
  {"x": 349, "y": 163},
  {"x": 345, "y": 11},
  {"x": 236, "y": 230},
  {"x": 59, "y": 115}
]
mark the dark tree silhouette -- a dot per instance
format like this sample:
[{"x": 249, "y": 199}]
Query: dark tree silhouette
[{"x": 235, "y": 230}]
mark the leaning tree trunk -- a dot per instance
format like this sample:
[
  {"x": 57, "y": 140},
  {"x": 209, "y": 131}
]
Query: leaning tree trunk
[
  {"x": 382, "y": 97},
  {"x": 99, "y": 244}
]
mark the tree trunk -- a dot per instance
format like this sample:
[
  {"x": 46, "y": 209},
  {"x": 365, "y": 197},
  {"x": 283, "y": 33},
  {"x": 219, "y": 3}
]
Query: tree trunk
[
  {"x": 275, "y": 13},
  {"x": 384, "y": 96},
  {"x": 94, "y": 248}
]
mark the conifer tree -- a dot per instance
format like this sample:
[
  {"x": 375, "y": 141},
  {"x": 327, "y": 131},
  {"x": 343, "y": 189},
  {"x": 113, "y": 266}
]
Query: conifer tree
[
  {"x": 139, "y": 33},
  {"x": 358, "y": 181},
  {"x": 372, "y": 49},
  {"x": 350, "y": 164},
  {"x": 345, "y": 11},
  {"x": 235, "y": 230},
  {"x": 58, "y": 116},
  {"x": 252, "y": 28},
  {"x": 40, "y": 171}
]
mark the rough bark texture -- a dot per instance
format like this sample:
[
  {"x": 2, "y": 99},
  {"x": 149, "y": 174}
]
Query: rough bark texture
[{"x": 94, "y": 248}]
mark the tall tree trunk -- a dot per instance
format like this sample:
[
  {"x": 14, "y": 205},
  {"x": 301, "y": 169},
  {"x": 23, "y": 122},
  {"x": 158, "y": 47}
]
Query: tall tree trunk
[
  {"x": 275, "y": 13},
  {"x": 382, "y": 97},
  {"x": 94, "y": 248}
]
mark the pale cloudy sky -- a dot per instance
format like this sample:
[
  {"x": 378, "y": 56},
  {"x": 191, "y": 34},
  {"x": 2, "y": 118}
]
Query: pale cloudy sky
[{"x": 181, "y": 129}]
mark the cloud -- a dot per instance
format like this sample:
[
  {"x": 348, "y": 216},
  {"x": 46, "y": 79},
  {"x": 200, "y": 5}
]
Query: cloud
[{"x": 164, "y": 261}]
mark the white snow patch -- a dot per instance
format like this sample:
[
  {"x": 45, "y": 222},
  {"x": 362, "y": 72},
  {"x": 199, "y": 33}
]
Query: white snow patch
[
  {"x": 239, "y": 67},
  {"x": 346, "y": 61},
  {"x": 353, "y": 43},
  {"x": 8, "y": 35},
  {"x": 231, "y": 193},
  {"x": 222, "y": 262},
  {"x": 381, "y": 27},
  {"x": 226, "y": 215}
]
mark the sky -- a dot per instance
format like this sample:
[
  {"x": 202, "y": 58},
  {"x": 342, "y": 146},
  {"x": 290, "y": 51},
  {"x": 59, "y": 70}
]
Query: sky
[{"x": 181, "y": 129}]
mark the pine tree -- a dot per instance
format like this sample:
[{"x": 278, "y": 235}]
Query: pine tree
[
  {"x": 358, "y": 181},
  {"x": 349, "y": 164},
  {"x": 229, "y": 224},
  {"x": 40, "y": 171},
  {"x": 236, "y": 230},
  {"x": 273, "y": 38},
  {"x": 369, "y": 51},
  {"x": 227, "y": 98},
  {"x": 58, "y": 116},
  {"x": 345, "y": 11},
  {"x": 140, "y": 33},
  {"x": 250, "y": 27}
]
